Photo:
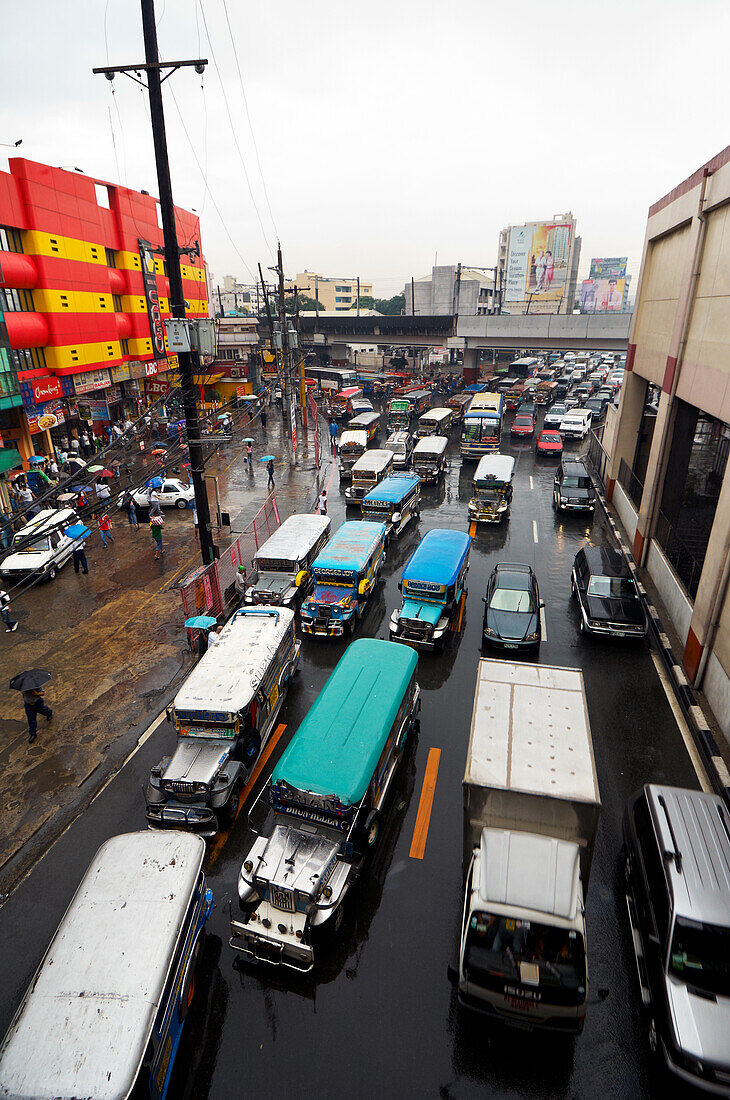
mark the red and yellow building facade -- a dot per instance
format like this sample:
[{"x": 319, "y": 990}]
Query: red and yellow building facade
[{"x": 74, "y": 324}]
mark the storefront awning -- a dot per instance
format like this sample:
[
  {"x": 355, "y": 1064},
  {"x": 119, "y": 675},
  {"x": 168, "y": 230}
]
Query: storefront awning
[{"x": 9, "y": 459}]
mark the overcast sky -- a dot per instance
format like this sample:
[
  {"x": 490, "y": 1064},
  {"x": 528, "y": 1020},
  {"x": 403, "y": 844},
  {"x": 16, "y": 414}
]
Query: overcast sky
[{"x": 387, "y": 132}]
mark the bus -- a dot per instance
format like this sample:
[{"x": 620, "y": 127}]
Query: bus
[
  {"x": 482, "y": 426},
  {"x": 337, "y": 378},
  {"x": 329, "y": 797}
]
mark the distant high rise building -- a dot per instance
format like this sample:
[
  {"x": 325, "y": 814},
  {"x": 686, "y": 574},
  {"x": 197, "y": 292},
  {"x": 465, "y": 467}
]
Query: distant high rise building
[
  {"x": 336, "y": 294},
  {"x": 538, "y": 266}
]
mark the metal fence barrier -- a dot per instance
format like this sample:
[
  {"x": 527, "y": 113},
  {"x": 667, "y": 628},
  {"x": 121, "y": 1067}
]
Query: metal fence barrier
[
  {"x": 684, "y": 562},
  {"x": 211, "y": 589},
  {"x": 628, "y": 481},
  {"x": 598, "y": 459}
]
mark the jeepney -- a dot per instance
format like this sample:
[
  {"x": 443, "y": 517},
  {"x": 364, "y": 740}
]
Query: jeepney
[
  {"x": 223, "y": 715},
  {"x": 361, "y": 405},
  {"x": 368, "y": 422},
  {"x": 434, "y": 422},
  {"x": 283, "y": 565},
  {"x": 545, "y": 392},
  {"x": 429, "y": 457},
  {"x": 329, "y": 794},
  {"x": 514, "y": 396},
  {"x": 369, "y": 469},
  {"x": 394, "y": 502},
  {"x": 345, "y": 574},
  {"x": 399, "y": 414},
  {"x": 419, "y": 400},
  {"x": 338, "y": 404},
  {"x": 104, "y": 1014},
  {"x": 433, "y": 584},
  {"x": 352, "y": 446},
  {"x": 401, "y": 444},
  {"x": 492, "y": 498},
  {"x": 458, "y": 404}
]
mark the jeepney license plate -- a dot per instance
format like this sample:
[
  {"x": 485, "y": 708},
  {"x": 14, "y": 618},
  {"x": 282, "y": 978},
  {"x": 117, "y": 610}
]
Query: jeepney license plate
[{"x": 520, "y": 1004}]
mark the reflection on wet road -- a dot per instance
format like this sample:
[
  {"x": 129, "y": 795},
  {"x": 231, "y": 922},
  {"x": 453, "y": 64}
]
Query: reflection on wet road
[{"x": 378, "y": 1016}]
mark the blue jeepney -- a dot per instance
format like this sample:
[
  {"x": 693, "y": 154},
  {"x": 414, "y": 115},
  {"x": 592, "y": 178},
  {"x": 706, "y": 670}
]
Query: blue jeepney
[
  {"x": 394, "y": 502},
  {"x": 344, "y": 576},
  {"x": 433, "y": 585}
]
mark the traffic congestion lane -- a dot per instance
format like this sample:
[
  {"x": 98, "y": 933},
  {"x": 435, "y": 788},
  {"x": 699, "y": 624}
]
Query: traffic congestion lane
[{"x": 379, "y": 1013}]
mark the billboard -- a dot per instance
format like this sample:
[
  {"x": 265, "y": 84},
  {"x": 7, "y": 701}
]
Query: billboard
[
  {"x": 602, "y": 295},
  {"x": 613, "y": 267},
  {"x": 537, "y": 261},
  {"x": 157, "y": 332}
]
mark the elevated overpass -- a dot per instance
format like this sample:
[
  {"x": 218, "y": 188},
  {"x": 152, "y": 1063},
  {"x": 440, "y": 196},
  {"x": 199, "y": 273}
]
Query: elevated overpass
[{"x": 533, "y": 332}]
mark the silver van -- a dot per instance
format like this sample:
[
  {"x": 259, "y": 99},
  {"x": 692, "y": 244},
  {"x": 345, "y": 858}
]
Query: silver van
[
  {"x": 677, "y": 865},
  {"x": 401, "y": 444}
]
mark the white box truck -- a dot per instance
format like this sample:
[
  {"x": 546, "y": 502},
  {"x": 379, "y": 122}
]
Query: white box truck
[{"x": 531, "y": 809}]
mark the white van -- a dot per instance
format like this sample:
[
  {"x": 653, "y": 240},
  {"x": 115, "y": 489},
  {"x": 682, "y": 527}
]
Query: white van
[
  {"x": 576, "y": 424},
  {"x": 42, "y": 547}
]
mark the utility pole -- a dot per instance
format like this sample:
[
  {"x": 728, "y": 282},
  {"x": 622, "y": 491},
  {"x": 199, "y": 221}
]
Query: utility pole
[
  {"x": 187, "y": 360},
  {"x": 220, "y": 300},
  {"x": 358, "y": 295},
  {"x": 413, "y": 297}
]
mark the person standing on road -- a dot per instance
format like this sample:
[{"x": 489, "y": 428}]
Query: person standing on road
[
  {"x": 263, "y": 419},
  {"x": 323, "y": 503},
  {"x": 79, "y": 557},
  {"x": 270, "y": 470},
  {"x": 6, "y": 530},
  {"x": 105, "y": 529},
  {"x": 34, "y": 705},
  {"x": 130, "y": 508},
  {"x": 214, "y": 636},
  {"x": 10, "y": 623},
  {"x": 102, "y": 490},
  {"x": 249, "y": 456},
  {"x": 334, "y": 432},
  {"x": 156, "y": 523},
  {"x": 240, "y": 583}
]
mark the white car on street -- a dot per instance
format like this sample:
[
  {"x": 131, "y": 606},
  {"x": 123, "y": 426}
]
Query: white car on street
[{"x": 171, "y": 492}]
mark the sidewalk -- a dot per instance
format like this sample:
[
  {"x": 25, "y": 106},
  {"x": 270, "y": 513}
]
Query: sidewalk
[{"x": 115, "y": 644}]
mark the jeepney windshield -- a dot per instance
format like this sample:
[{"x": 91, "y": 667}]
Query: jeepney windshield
[
  {"x": 524, "y": 951},
  {"x": 277, "y": 565},
  {"x": 344, "y": 577},
  {"x": 472, "y": 431},
  {"x": 491, "y": 493},
  {"x": 38, "y": 546}
]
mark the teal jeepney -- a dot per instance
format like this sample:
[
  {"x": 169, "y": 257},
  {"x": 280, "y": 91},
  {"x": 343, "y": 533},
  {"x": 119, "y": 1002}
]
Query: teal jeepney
[
  {"x": 344, "y": 576},
  {"x": 394, "y": 502},
  {"x": 433, "y": 585},
  {"x": 329, "y": 794}
]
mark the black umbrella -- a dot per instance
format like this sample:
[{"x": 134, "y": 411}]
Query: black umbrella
[{"x": 29, "y": 680}]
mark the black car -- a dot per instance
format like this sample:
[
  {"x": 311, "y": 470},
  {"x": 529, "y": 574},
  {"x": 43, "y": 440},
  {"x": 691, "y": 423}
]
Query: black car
[
  {"x": 597, "y": 407},
  {"x": 512, "y": 608},
  {"x": 528, "y": 408},
  {"x": 572, "y": 488},
  {"x": 608, "y": 600}
]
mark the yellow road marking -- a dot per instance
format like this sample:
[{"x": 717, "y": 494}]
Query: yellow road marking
[
  {"x": 462, "y": 605},
  {"x": 423, "y": 817}
]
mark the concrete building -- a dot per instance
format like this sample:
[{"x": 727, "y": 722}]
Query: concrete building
[
  {"x": 537, "y": 266},
  {"x": 336, "y": 294},
  {"x": 234, "y": 369},
  {"x": 668, "y": 473},
  {"x": 234, "y": 298},
  {"x": 450, "y": 289}
]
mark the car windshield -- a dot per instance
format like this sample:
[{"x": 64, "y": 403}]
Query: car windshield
[
  {"x": 557, "y": 410},
  {"x": 38, "y": 546},
  {"x": 550, "y": 437},
  {"x": 573, "y": 481},
  {"x": 509, "y": 946},
  {"x": 700, "y": 956},
  {"x": 523, "y": 421},
  {"x": 511, "y": 599},
  {"x": 611, "y": 586}
]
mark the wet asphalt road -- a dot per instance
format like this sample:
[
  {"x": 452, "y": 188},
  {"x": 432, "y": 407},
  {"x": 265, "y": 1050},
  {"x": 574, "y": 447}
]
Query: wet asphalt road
[{"x": 379, "y": 1017}]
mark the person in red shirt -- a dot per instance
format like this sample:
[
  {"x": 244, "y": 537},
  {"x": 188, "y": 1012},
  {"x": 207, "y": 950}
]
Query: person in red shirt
[{"x": 105, "y": 528}]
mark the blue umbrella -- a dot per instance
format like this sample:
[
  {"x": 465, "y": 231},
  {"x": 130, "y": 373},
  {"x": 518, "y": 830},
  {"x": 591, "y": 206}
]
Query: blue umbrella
[
  {"x": 155, "y": 483},
  {"x": 77, "y": 531},
  {"x": 80, "y": 488},
  {"x": 267, "y": 458},
  {"x": 36, "y": 460},
  {"x": 200, "y": 622}
]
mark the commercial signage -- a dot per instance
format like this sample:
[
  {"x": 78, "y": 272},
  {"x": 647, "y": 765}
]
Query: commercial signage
[
  {"x": 113, "y": 394},
  {"x": 293, "y": 409},
  {"x": 157, "y": 331},
  {"x": 93, "y": 410},
  {"x": 92, "y": 380},
  {"x": 602, "y": 295},
  {"x": 46, "y": 389},
  {"x": 46, "y": 417},
  {"x": 122, "y": 373},
  {"x": 155, "y": 387},
  {"x": 613, "y": 267},
  {"x": 537, "y": 261}
]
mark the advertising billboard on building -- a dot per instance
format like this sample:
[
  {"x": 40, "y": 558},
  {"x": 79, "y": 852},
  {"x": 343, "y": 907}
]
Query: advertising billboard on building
[
  {"x": 608, "y": 268},
  {"x": 602, "y": 295},
  {"x": 537, "y": 261},
  {"x": 157, "y": 331}
]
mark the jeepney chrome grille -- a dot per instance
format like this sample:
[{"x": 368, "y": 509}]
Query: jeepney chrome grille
[
  {"x": 324, "y": 613},
  {"x": 179, "y": 786},
  {"x": 282, "y": 899}
]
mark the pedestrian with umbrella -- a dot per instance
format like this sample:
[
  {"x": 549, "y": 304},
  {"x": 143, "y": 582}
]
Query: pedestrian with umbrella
[
  {"x": 30, "y": 684},
  {"x": 269, "y": 460},
  {"x": 156, "y": 525},
  {"x": 249, "y": 455},
  {"x": 201, "y": 623},
  {"x": 77, "y": 533}
]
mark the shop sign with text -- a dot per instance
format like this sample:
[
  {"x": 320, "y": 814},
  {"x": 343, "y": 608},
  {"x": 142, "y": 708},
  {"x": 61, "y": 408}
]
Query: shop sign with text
[
  {"x": 92, "y": 380},
  {"x": 157, "y": 330}
]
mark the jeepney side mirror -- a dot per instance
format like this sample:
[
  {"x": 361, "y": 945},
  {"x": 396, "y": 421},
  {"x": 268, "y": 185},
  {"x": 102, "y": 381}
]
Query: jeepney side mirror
[
  {"x": 396, "y": 517},
  {"x": 363, "y": 587},
  {"x": 301, "y": 578}
]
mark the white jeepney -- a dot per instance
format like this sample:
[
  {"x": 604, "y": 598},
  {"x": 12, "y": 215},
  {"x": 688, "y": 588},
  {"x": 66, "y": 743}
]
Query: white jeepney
[{"x": 282, "y": 566}]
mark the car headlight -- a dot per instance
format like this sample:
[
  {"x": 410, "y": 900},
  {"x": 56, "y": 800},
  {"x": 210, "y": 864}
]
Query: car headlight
[
  {"x": 488, "y": 630},
  {"x": 533, "y": 637}
]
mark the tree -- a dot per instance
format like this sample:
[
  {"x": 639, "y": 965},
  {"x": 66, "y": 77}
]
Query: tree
[
  {"x": 391, "y": 307},
  {"x": 305, "y": 303},
  {"x": 366, "y": 302}
]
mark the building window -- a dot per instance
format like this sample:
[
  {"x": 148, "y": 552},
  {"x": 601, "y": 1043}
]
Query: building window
[
  {"x": 111, "y": 257},
  {"x": 343, "y": 289},
  {"x": 117, "y": 302},
  {"x": 343, "y": 299},
  {"x": 102, "y": 195},
  {"x": 16, "y": 301},
  {"x": 10, "y": 239},
  {"x": 125, "y": 347},
  {"x": 697, "y": 461}
]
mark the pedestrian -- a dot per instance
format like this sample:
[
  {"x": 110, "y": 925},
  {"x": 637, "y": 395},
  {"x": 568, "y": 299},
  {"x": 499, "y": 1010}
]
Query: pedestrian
[
  {"x": 81, "y": 499},
  {"x": 270, "y": 469},
  {"x": 79, "y": 556},
  {"x": 105, "y": 529},
  {"x": 323, "y": 503},
  {"x": 102, "y": 490},
  {"x": 109, "y": 432},
  {"x": 214, "y": 636},
  {"x": 6, "y": 530},
  {"x": 53, "y": 469},
  {"x": 86, "y": 447},
  {"x": 249, "y": 456},
  {"x": 75, "y": 445},
  {"x": 263, "y": 419},
  {"x": 34, "y": 705},
  {"x": 156, "y": 523},
  {"x": 10, "y": 623},
  {"x": 130, "y": 508},
  {"x": 202, "y": 643},
  {"x": 334, "y": 432},
  {"x": 240, "y": 583}
]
